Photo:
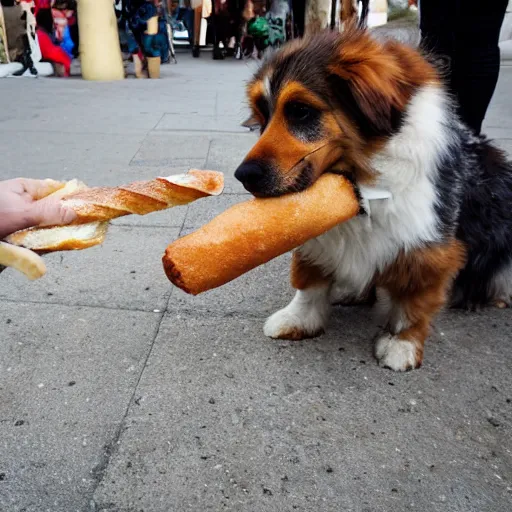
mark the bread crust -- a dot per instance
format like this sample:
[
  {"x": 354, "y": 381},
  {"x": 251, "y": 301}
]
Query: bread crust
[{"x": 143, "y": 197}]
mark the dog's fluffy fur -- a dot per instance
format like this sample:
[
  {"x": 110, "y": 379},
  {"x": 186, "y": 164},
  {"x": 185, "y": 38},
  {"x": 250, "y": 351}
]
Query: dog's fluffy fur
[{"x": 380, "y": 114}]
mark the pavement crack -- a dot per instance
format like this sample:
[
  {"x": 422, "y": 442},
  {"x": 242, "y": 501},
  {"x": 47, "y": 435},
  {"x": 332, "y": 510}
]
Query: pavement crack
[
  {"x": 110, "y": 449},
  {"x": 78, "y": 305}
]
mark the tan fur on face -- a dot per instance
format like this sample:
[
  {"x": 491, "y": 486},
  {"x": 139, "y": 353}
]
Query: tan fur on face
[
  {"x": 282, "y": 149},
  {"x": 285, "y": 152}
]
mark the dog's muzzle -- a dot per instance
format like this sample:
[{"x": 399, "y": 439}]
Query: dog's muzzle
[{"x": 255, "y": 176}]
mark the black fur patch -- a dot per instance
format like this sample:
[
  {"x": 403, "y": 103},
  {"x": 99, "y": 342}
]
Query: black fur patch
[
  {"x": 485, "y": 221},
  {"x": 449, "y": 188},
  {"x": 264, "y": 109},
  {"x": 307, "y": 65},
  {"x": 303, "y": 121}
]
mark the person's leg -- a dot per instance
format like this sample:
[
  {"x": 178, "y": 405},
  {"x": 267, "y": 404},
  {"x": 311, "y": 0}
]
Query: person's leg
[
  {"x": 75, "y": 37},
  {"x": 187, "y": 15},
  {"x": 134, "y": 50},
  {"x": 196, "y": 32},
  {"x": 437, "y": 25},
  {"x": 299, "y": 13},
  {"x": 476, "y": 64},
  {"x": 468, "y": 39}
]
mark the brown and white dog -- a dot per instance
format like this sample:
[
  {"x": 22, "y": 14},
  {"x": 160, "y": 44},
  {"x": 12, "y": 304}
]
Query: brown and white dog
[{"x": 379, "y": 113}]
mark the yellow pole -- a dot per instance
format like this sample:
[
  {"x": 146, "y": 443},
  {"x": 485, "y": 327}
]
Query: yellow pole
[
  {"x": 100, "y": 51},
  {"x": 153, "y": 62}
]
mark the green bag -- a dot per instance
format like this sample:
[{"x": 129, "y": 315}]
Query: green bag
[{"x": 258, "y": 27}]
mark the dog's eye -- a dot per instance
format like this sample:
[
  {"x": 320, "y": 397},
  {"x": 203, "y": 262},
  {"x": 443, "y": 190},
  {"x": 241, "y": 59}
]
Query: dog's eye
[{"x": 299, "y": 112}]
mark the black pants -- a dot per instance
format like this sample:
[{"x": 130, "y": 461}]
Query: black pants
[
  {"x": 299, "y": 16},
  {"x": 467, "y": 33}
]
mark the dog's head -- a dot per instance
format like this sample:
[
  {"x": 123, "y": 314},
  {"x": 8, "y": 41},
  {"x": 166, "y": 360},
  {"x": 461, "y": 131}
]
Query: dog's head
[{"x": 327, "y": 102}]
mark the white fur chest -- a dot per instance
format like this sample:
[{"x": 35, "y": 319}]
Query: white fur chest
[{"x": 357, "y": 249}]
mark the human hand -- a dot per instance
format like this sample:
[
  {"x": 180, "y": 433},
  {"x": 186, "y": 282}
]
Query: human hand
[{"x": 24, "y": 204}]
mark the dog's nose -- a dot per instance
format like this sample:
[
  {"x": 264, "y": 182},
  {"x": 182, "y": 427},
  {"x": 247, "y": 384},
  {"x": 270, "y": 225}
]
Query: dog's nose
[{"x": 252, "y": 175}]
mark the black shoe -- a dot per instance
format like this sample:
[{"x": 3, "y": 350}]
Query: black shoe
[
  {"x": 218, "y": 53},
  {"x": 195, "y": 51}
]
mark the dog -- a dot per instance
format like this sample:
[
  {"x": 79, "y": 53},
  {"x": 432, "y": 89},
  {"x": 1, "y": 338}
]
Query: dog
[{"x": 379, "y": 114}]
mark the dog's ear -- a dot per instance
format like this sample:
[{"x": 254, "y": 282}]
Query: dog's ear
[
  {"x": 252, "y": 122},
  {"x": 370, "y": 84}
]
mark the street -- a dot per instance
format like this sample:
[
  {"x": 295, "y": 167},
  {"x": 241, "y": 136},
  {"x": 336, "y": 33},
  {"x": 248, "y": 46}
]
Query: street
[{"x": 120, "y": 393}]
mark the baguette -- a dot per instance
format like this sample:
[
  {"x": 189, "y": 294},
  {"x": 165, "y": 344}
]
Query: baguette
[
  {"x": 252, "y": 233},
  {"x": 143, "y": 197},
  {"x": 95, "y": 207}
]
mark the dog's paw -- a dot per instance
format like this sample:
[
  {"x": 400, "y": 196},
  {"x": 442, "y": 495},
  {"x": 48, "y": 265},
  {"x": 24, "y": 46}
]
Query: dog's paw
[
  {"x": 502, "y": 303},
  {"x": 397, "y": 354},
  {"x": 292, "y": 323}
]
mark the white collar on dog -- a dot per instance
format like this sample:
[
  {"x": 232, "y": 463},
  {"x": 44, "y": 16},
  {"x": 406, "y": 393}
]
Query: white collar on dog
[{"x": 369, "y": 194}]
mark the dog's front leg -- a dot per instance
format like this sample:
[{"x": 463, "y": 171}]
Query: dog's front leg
[
  {"x": 414, "y": 289},
  {"x": 307, "y": 314}
]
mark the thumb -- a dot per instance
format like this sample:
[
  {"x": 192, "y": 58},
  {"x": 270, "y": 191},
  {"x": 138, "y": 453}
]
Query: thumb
[{"x": 50, "y": 212}]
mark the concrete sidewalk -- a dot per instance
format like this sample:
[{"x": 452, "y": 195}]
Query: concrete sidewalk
[{"x": 120, "y": 393}]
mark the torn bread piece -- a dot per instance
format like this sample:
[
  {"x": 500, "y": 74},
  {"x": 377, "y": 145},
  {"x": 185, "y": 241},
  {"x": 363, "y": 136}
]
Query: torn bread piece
[
  {"x": 61, "y": 238},
  {"x": 23, "y": 260}
]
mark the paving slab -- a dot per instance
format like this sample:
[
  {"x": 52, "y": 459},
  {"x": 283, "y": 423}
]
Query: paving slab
[
  {"x": 67, "y": 375},
  {"x": 171, "y": 218},
  {"x": 62, "y": 154},
  {"x": 201, "y": 122},
  {"x": 125, "y": 272},
  {"x": 91, "y": 117},
  {"x": 228, "y": 420},
  {"x": 79, "y": 107},
  {"x": 233, "y": 103},
  {"x": 216, "y": 151},
  {"x": 167, "y": 149}
]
